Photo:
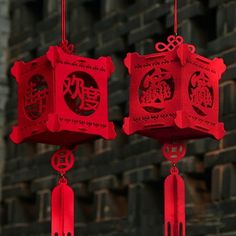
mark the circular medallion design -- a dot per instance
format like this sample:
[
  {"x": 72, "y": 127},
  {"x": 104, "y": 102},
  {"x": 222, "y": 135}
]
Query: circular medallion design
[
  {"x": 81, "y": 93},
  {"x": 62, "y": 160},
  {"x": 174, "y": 151},
  {"x": 201, "y": 93},
  {"x": 156, "y": 87},
  {"x": 35, "y": 97}
]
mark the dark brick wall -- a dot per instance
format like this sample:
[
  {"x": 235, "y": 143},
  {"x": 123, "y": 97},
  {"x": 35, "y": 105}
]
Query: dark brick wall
[
  {"x": 119, "y": 184},
  {"x": 4, "y": 32}
]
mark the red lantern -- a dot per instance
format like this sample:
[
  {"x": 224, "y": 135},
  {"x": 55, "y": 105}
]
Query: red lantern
[
  {"x": 174, "y": 94},
  {"x": 62, "y": 99}
]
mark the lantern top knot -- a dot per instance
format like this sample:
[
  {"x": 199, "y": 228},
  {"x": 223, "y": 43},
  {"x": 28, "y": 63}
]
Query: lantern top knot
[
  {"x": 67, "y": 47},
  {"x": 173, "y": 42}
]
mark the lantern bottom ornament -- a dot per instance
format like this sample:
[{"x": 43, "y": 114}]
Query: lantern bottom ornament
[
  {"x": 174, "y": 191},
  {"x": 62, "y": 200},
  {"x": 62, "y": 99}
]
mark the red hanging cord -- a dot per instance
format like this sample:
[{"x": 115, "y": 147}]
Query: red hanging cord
[
  {"x": 66, "y": 47},
  {"x": 63, "y": 20},
  {"x": 176, "y": 17}
]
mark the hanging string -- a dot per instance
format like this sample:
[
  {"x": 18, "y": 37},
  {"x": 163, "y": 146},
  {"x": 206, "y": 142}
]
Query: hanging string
[
  {"x": 66, "y": 47},
  {"x": 176, "y": 17},
  {"x": 63, "y": 20}
]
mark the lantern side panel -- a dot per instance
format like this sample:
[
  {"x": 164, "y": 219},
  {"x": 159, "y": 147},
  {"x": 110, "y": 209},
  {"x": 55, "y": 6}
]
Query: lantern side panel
[
  {"x": 200, "y": 84},
  {"x": 81, "y": 93},
  {"x": 154, "y": 91},
  {"x": 35, "y": 88}
]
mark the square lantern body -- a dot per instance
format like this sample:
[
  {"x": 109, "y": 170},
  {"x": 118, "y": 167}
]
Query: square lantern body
[
  {"x": 174, "y": 94},
  {"x": 62, "y": 99}
]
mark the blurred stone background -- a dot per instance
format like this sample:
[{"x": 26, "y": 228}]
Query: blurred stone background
[{"x": 118, "y": 185}]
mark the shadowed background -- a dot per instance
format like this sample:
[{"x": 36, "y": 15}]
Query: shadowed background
[{"x": 118, "y": 185}]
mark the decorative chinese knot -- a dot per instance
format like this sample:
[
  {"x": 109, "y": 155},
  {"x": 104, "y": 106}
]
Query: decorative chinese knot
[
  {"x": 62, "y": 100},
  {"x": 174, "y": 95}
]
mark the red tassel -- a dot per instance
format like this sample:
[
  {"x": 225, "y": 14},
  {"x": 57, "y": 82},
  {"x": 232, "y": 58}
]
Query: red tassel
[
  {"x": 62, "y": 195},
  {"x": 62, "y": 210},
  {"x": 174, "y": 204},
  {"x": 174, "y": 191}
]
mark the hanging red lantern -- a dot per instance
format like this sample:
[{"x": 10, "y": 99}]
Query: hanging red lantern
[
  {"x": 174, "y": 94},
  {"x": 62, "y": 97},
  {"x": 62, "y": 100}
]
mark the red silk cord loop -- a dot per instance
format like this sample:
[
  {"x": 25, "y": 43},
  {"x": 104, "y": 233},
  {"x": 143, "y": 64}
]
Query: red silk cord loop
[
  {"x": 176, "y": 17},
  {"x": 63, "y": 20}
]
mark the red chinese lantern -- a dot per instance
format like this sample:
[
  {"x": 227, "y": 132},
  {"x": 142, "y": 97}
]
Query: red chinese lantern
[
  {"x": 174, "y": 95},
  {"x": 62, "y": 100}
]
